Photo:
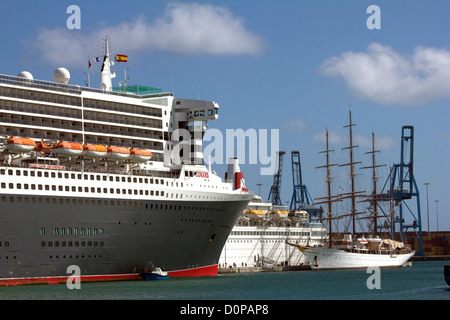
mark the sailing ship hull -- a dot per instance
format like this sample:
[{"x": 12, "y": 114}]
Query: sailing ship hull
[{"x": 328, "y": 259}]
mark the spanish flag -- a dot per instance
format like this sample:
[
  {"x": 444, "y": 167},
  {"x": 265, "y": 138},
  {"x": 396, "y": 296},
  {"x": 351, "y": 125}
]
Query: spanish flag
[{"x": 121, "y": 58}]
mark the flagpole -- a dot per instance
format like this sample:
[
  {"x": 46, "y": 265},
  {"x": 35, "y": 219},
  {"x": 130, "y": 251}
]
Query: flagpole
[
  {"x": 125, "y": 78},
  {"x": 88, "y": 80},
  {"x": 88, "y": 75}
]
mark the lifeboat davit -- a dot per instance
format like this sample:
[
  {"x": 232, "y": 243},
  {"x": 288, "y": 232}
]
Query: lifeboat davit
[
  {"x": 278, "y": 214},
  {"x": 140, "y": 155},
  {"x": 41, "y": 146},
  {"x": 362, "y": 240},
  {"x": 20, "y": 145},
  {"x": 118, "y": 153},
  {"x": 255, "y": 213},
  {"x": 94, "y": 151},
  {"x": 68, "y": 149}
]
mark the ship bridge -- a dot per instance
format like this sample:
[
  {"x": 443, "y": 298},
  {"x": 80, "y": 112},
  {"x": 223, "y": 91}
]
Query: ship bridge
[{"x": 137, "y": 89}]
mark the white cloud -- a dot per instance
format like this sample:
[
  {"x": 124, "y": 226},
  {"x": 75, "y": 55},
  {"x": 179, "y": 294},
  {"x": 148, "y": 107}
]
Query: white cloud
[
  {"x": 380, "y": 142},
  {"x": 385, "y": 76},
  {"x": 205, "y": 28},
  {"x": 184, "y": 28},
  {"x": 295, "y": 124},
  {"x": 334, "y": 138}
]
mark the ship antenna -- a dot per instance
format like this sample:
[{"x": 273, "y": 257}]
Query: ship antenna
[{"x": 106, "y": 74}]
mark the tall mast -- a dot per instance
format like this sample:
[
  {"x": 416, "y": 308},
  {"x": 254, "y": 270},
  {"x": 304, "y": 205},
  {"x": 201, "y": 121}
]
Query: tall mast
[
  {"x": 329, "y": 198},
  {"x": 353, "y": 194},
  {"x": 374, "y": 199}
]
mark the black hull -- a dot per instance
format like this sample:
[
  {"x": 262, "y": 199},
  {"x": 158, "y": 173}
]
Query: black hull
[
  {"x": 447, "y": 274},
  {"x": 43, "y": 236}
]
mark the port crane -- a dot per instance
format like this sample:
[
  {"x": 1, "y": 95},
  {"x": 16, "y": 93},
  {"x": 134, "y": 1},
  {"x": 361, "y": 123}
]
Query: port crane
[
  {"x": 403, "y": 187},
  {"x": 275, "y": 190},
  {"x": 301, "y": 199}
]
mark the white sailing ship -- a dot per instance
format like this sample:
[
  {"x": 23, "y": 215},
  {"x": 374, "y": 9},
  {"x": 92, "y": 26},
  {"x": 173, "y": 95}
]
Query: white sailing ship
[
  {"x": 354, "y": 252},
  {"x": 374, "y": 252}
]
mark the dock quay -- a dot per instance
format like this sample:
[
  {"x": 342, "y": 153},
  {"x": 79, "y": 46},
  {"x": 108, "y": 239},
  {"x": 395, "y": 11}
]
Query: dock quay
[
  {"x": 262, "y": 269},
  {"x": 230, "y": 270},
  {"x": 430, "y": 258}
]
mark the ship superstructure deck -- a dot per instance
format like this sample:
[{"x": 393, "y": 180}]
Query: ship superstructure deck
[{"x": 261, "y": 234}]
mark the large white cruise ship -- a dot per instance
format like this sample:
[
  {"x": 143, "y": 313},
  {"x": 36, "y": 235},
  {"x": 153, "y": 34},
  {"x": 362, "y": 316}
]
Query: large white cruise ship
[
  {"x": 107, "y": 180},
  {"x": 263, "y": 233}
]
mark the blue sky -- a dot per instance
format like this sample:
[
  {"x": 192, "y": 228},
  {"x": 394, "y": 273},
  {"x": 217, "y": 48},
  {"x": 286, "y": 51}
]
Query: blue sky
[{"x": 292, "y": 65}]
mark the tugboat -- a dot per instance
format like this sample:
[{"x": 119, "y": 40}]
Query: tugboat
[{"x": 154, "y": 274}]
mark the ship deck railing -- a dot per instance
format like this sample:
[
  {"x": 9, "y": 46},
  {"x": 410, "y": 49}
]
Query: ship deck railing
[
  {"x": 75, "y": 168},
  {"x": 371, "y": 251},
  {"x": 72, "y": 89}
]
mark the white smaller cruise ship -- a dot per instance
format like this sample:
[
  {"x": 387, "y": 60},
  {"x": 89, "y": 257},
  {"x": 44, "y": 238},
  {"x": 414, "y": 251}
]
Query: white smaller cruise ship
[{"x": 260, "y": 237}]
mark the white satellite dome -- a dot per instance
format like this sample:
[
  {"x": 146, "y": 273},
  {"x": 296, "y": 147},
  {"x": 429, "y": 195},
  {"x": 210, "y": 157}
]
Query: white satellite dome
[
  {"x": 25, "y": 75},
  {"x": 61, "y": 75}
]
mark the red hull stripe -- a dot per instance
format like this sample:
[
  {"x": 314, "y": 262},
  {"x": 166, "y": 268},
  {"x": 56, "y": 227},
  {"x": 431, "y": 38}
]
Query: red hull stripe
[{"x": 197, "y": 272}]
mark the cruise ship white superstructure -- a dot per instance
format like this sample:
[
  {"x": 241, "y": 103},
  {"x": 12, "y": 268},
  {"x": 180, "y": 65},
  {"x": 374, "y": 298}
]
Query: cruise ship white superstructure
[{"x": 260, "y": 237}]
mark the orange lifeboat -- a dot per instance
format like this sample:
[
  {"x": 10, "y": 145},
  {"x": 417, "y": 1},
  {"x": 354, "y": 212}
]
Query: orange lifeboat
[
  {"x": 140, "y": 155},
  {"x": 68, "y": 149},
  {"x": 20, "y": 145},
  {"x": 118, "y": 153},
  {"x": 94, "y": 151}
]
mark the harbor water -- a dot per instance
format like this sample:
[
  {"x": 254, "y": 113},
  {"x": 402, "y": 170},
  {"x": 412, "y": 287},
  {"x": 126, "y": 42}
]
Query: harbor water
[{"x": 423, "y": 281}]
